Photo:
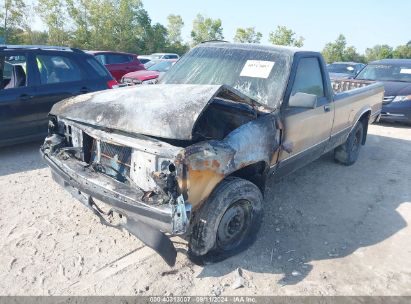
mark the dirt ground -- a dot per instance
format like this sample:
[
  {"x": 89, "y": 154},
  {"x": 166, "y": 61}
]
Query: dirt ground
[{"x": 327, "y": 230}]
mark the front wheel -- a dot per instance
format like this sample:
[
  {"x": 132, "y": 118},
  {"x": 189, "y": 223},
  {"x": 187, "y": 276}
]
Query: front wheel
[
  {"x": 229, "y": 221},
  {"x": 347, "y": 153}
]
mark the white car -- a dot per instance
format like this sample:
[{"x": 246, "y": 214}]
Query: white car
[{"x": 165, "y": 56}]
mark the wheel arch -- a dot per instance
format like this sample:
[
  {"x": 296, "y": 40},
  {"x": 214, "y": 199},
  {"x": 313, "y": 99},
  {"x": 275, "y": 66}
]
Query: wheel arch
[
  {"x": 364, "y": 119},
  {"x": 255, "y": 173}
]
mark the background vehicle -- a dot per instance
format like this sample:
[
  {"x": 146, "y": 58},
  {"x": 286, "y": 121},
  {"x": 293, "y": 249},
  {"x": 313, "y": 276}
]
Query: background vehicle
[
  {"x": 344, "y": 70},
  {"x": 150, "y": 76},
  {"x": 396, "y": 76},
  {"x": 144, "y": 58},
  {"x": 36, "y": 77},
  {"x": 164, "y": 56},
  {"x": 117, "y": 63},
  {"x": 190, "y": 156},
  {"x": 152, "y": 62}
]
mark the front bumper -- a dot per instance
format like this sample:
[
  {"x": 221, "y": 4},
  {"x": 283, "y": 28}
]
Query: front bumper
[
  {"x": 397, "y": 111},
  {"x": 146, "y": 222}
]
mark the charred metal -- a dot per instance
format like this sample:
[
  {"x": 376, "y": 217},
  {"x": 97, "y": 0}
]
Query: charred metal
[{"x": 174, "y": 173}]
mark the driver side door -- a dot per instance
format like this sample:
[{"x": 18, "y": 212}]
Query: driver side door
[{"x": 307, "y": 127}]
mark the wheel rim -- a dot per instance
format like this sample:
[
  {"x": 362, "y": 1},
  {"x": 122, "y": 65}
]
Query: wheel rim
[{"x": 234, "y": 225}]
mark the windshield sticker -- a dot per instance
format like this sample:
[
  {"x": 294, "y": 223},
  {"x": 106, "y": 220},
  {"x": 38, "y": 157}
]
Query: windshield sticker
[
  {"x": 405, "y": 71},
  {"x": 257, "y": 68}
]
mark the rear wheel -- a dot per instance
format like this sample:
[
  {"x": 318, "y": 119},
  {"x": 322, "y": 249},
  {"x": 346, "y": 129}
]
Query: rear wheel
[
  {"x": 347, "y": 153},
  {"x": 228, "y": 222}
]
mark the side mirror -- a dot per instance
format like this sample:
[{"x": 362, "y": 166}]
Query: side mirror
[{"x": 303, "y": 100}]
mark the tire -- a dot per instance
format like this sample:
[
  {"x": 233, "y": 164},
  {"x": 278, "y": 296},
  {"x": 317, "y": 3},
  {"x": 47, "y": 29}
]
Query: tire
[
  {"x": 228, "y": 222},
  {"x": 347, "y": 153}
]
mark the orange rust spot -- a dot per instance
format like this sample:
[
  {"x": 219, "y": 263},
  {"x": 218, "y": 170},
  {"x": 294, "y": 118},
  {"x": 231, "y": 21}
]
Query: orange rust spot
[
  {"x": 216, "y": 164},
  {"x": 200, "y": 184}
]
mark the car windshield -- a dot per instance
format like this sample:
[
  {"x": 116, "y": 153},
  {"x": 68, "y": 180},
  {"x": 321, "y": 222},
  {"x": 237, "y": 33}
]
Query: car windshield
[
  {"x": 341, "y": 68},
  {"x": 261, "y": 75},
  {"x": 163, "y": 66},
  {"x": 156, "y": 56},
  {"x": 386, "y": 72}
]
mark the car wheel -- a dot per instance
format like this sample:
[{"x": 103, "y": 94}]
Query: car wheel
[
  {"x": 228, "y": 222},
  {"x": 347, "y": 153}
]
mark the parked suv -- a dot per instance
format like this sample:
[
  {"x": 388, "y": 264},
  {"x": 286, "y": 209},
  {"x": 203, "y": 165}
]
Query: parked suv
[
  {"x": 118, "y": 63},
  {"x": 33, "y": 78}
]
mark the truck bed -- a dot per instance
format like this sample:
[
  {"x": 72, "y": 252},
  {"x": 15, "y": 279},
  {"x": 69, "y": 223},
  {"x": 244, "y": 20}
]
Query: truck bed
[{"x": 342, "y": 85}]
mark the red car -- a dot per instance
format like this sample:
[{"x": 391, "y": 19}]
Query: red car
[
  {"x": 118, "y": 63},
  {"x": 149, "y": 76}
]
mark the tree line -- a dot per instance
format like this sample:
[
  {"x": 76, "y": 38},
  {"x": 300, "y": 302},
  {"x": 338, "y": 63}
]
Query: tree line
[{"x": 124, "y": 25}]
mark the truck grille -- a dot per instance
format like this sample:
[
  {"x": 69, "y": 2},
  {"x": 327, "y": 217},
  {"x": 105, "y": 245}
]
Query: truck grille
[
  {"x": 387, "y": 99},
  {"x": 115, "y": 160}
]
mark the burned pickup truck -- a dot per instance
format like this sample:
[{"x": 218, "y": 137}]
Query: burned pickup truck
[{"x": 190, "y": 156}]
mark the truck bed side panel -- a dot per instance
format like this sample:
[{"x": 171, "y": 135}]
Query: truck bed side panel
[{"x": 351, "y": 105}]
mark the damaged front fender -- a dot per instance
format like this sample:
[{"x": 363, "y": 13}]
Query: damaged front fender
[{"x": 207, "y": 163}]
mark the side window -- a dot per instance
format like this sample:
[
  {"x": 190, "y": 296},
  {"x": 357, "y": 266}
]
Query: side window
[
  {"x": 98, "y": 68},
  {"x": 117, "y": 59},
  {"x": 57, "y": 69},
  {"x": 308, "y": 78},
  {"x": 13, "y": 71},
  {"x": 101, "y": 58}
]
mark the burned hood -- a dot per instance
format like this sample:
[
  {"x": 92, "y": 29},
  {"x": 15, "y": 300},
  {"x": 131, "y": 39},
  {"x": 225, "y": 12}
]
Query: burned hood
[{"x": 164, "y": 110}]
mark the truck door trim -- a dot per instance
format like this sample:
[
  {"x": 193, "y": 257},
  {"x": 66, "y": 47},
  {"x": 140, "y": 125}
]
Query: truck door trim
[{"x": 305, "y": 150}]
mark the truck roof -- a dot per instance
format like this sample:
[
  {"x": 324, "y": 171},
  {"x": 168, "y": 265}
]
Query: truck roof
[{"x": 253, "y": 46}]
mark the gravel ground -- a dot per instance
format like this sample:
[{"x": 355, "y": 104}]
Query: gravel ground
[{"x": 327, "y": 230}]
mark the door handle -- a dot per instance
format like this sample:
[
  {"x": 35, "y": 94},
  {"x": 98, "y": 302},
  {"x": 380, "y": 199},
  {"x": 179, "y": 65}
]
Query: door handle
[
  {"x": 327, "y": 108},
  {"x": 25, "y": 97}
]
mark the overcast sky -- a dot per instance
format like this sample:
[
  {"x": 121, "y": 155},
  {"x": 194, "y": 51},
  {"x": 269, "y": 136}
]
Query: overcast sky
[{"x": 363, "y": 22}]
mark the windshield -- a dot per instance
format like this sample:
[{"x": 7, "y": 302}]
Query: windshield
[
  {"x": 261, "y": 75},
  {"x": 163, "y": 66},
  {"x": 386, "y": 72},
  {"x": 341, "y": 68},
  {"x": 156, "y": 56}
]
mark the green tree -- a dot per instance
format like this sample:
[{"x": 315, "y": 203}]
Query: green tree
[
  {"x": 403, "y": 51},
  {"x": 285, "y": 36},
  {"x": 79, "y": 12},
  {"x": 94, "y": 27},
  {"x": 378, "y": 52},
  {"x": 53, "y": 14},
  {"x": 247, "y": 35},
  {"x": 350, "y": 54},
  {"x": 33, "y": 37},
  {"x": 205, "y": 29},
  {"x": 174, "y": 26},
  {"x": 12, "y": 15},
  {"x": 175, "y": 42},
  {"x": 152, "y": 38},
  {"x": 334, "y": 51},
  {"x": 339, "y": 51}
]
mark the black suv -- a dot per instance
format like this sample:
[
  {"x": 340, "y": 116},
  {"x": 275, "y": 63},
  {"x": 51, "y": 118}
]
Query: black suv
[{"x": 33, "y": 78}]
